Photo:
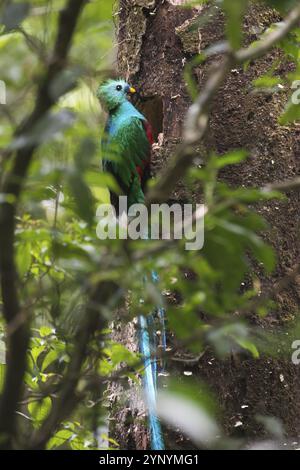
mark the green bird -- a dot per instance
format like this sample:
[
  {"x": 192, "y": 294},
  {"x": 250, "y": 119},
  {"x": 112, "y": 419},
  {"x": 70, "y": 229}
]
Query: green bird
[
  {"x": 127, "y": 142},
  {"x": 126, "y": 154}
]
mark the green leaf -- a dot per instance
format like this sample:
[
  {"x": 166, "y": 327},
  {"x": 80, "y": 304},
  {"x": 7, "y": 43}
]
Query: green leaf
[
  {"x": 185, "y": 406},
  {"x": 265, "y": 254},
  {"x": 46, "y": 331},
  {"x": 100, "y": 179},
  {"x": 60, "y": 438},
  {"x": 290, "y": 45},
  {"x": 31, "y": 381},
  {"x": 291, "y": 114},
  {"x": 23, "y": 258},
  {"x": 85, "y": 153},
  {"x": 234, "y": 10},
  {"x": 226, "y": 337},
  {"x": 249, "y": 346},
  {"x": 50, "y": 357},
  {"x": 231, "y": 158},
  {"x": 182, "y": 322},
  {"x": 119, "y": 353},
  {"x": 105, "y": 437},
  {"x": 39, "y": 410},
  {"x": 2, "y": 376},
  {"x": 267, "y": 81},
  {"x": 84, "y": 201}
]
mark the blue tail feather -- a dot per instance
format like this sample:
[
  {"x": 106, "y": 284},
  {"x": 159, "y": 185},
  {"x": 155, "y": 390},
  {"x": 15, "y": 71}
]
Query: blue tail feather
[
  {"x": 157, "y": 442},
  {"x": 148, "y": 348}
]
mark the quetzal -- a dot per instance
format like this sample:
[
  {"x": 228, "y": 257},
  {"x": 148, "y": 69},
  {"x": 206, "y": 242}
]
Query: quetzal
[
  {"x": 127, "y": 142},
  {"x": 126, "y": 154}
]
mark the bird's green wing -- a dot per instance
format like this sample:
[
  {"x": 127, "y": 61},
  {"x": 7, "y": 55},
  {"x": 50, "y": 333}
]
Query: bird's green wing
[{"x": 133, "y": 149}]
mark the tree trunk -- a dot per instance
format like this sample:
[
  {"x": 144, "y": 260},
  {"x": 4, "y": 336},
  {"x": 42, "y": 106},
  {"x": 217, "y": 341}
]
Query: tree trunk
[{"x": 156, "y": 39}]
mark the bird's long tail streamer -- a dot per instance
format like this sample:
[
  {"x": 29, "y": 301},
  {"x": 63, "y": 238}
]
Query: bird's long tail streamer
[{"x": 148, "y": 347}]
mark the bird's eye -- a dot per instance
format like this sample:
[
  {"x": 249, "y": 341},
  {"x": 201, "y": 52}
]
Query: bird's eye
[{"x": 119, "y": 87}]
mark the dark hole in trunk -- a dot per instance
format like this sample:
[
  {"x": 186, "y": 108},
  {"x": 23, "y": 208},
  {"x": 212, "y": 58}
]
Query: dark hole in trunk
[{"x": 152, "y": 108}]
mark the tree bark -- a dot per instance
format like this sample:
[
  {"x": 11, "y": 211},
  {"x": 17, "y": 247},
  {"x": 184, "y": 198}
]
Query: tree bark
[{"x": 156, "y": 39}]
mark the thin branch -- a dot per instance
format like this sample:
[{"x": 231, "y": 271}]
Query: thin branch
[
  {"x": 267, "y": 43},
  {"x": 283, "y": 186},
  {"x": 194, "y": 131},
  {"x": 17, "y": 342},
  {"x": 198, "y": 114},
  {"x": 34, "y": 44}
]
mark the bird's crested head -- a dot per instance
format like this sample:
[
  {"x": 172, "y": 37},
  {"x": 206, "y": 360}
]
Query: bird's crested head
[{"x": 112, "y": 93}]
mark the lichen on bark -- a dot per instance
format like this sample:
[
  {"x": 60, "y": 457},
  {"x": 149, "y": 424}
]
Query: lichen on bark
[{"x": 132, "y": 27}]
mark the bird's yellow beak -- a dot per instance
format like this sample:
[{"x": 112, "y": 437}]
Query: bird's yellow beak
[{"x": 132, "y": 90}]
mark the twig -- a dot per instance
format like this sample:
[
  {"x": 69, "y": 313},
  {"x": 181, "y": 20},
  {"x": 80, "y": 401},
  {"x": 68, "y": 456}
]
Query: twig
[
  {"x": 34, "y": 44},
  {"x": 194, "y": 131},
  {"x": 198, "y": 114},
  {"x": 283, "y": 186},
  {"x": 263, "y": 46}
]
